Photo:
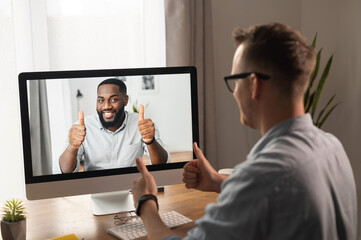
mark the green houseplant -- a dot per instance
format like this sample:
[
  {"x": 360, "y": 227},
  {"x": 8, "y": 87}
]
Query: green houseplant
[
  {"x": 13, "y": 223},
  {"x": 313, "y": 96},
  {"x": 135, "y": 106}
]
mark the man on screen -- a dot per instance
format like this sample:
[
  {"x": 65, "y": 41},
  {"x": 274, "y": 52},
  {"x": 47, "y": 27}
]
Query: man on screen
[
  {"x": 297, "y": 181},
  {"x": 113, "y": 138}
]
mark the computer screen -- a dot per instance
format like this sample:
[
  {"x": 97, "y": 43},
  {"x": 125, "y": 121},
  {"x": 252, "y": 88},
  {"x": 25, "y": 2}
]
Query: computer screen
[{"x": 50, "y": 103}]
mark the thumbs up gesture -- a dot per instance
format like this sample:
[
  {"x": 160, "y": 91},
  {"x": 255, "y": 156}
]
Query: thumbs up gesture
[
  {"x": 145, "y": 184},
  {"x": 146, "y": 126},
  {"x": 77, "y": 132}
]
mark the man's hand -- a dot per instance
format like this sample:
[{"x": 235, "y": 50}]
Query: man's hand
[
  {"x": 77, "y": 132},
  {"x": 146, "y": 126},
  {"x": 149, "y": 212},
  {"x": 143, "y": 185},
  {"x": 199, "y": 174}
]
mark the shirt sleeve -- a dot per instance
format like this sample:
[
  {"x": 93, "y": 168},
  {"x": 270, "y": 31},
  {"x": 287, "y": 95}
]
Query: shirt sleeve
[
  {"x": 159, "y": 140},
  {"x": 262, "y": 199},
  {"x": 240, "y": 211},
  {"x": 172, "y": 238}
]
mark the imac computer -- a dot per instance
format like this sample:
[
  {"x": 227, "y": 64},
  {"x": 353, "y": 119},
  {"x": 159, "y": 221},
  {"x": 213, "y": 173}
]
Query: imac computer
[{"x": 50, "y": 103}]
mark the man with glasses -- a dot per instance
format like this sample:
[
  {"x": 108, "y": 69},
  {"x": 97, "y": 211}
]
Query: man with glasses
[{"x": 297, "y": 182}]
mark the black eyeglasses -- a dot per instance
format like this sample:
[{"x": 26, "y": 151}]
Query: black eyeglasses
[
  {"x": 122, "y": 218},
  {"x": 232, "y": 84}
]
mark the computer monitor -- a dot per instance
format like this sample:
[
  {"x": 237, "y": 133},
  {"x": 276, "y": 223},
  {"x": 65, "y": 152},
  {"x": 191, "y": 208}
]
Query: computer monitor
[{"x": 50, "y": 102}]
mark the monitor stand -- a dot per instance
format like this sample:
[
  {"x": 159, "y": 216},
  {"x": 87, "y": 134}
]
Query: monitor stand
[{"x": 112, "y": 202}]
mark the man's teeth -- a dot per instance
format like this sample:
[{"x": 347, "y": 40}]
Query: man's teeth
[{"x": 108, "y": 115}]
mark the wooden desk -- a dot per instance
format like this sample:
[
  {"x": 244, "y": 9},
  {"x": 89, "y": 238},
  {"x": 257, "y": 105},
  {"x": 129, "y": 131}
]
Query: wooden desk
[{"x": 60, "y": 216}]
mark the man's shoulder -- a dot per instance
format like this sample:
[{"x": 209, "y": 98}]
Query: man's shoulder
[
  {"x": 92, "y": 121},
  {"x": 265, "y": 173},
  {"x": 298, "y": 133},
  {"x": 301, "y": 143},
  {"x": 132, "y": 120},
  {"x": 262, "y": 170},
  {"x": 294, "y": 154},
  {"x": 133, "y": 115}
]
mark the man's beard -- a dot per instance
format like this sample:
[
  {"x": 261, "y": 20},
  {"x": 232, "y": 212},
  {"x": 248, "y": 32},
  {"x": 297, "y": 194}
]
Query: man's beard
[{"x": 113, "y": 123}]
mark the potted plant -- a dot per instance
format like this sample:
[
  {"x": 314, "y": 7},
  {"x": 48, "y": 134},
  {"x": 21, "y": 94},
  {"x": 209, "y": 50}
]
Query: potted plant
[
  {"x": 13, "y": 223},
  {"x": 312, "y": 97}
]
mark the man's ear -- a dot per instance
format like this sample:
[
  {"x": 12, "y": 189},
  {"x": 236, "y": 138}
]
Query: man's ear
[
  {"x": 126, "y": 100},
  {"x": 256, "y": 86}
]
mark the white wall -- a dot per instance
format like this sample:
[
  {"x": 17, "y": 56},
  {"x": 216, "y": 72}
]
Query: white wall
[
  {"x": 169, "y": 105},
  {"x": 234, "y": 140},
  {"x": 337, "y": 24}
]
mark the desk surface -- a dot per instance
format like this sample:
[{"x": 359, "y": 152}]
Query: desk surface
[{"x": 61, "y": 216}]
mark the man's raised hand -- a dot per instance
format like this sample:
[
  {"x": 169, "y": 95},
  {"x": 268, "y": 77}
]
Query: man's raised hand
[
  {"x": 145, "y": 184},
  {"x": 146, "y": 126},
  {"x": 199, "y": 174},
  {"x": 77, "y": 132}
]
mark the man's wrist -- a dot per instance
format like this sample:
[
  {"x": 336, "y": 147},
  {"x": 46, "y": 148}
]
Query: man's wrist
[
  {"x": 72, "y": 148},
  {"x": 143, "y": 200},
  {"x": 149, "y": 208},
  {"x": 148, "y": 143},
  {"x": 218, "y": 180}
]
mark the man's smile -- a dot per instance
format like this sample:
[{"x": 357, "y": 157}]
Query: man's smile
[{"x": 108, "y": 114}]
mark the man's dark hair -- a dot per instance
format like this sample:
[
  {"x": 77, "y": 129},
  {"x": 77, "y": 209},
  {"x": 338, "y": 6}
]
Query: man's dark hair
[
  {"x": 115, "y": 81},
  {"x": 282, "y": 52}
]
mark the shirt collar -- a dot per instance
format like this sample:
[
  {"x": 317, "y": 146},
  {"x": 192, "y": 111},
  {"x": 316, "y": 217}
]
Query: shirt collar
[{"x": 300, "y": 122}]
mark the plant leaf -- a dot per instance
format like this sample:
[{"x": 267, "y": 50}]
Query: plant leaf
[
  {"x": 321, "y": 84},
  {"x": 317, "y": 66},
  {"x": 306, "y": 99},
  {"x": 314, "y": 41},
  {"x": 324, "y": 109},
  {"x": 14, "y": 211},
  {"x": 307, "y": 95},
  {"x": 327, "y": 114},
  {"x": 309, "y": 103},
  {"x": 135, "y": 109},
  {"x": 312, "y": 79}
]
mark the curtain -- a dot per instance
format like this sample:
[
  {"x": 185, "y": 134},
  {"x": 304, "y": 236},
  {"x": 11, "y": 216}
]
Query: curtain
[
  {"x": 60, "y": 108},
  {"x": 11, "y": 171},
  {"x": 95, "y": 34},
  {"x": 40, "y": 129},
  {"x": 46, "y": 35},
  {"x": 189, "y": 42}
]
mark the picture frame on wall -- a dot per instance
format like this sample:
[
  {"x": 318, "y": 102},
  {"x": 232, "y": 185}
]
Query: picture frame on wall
[{"x": 149, "y": 85}]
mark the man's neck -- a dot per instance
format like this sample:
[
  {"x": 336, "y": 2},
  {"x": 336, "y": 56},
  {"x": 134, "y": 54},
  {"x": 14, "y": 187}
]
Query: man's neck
[{"x": 276, "y": 115}]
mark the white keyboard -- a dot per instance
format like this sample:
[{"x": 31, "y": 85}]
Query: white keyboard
[{"x": 135, "y": 229}]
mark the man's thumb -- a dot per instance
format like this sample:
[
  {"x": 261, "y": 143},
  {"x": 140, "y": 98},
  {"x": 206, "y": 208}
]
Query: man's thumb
[
  {"x": 141, "y": 112},
  {"x": 198, "y": 151},
  {"x": 141, "y": 167},
  {"x": 81, "y": 117}
]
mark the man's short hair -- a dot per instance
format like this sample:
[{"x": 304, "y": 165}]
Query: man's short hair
[
  {"x": 282, "y": 52},
  {"x": 115, "y": 81}
]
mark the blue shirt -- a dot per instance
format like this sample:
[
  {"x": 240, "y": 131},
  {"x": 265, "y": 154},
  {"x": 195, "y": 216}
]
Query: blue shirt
[{"x": 296, "y": 183}]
